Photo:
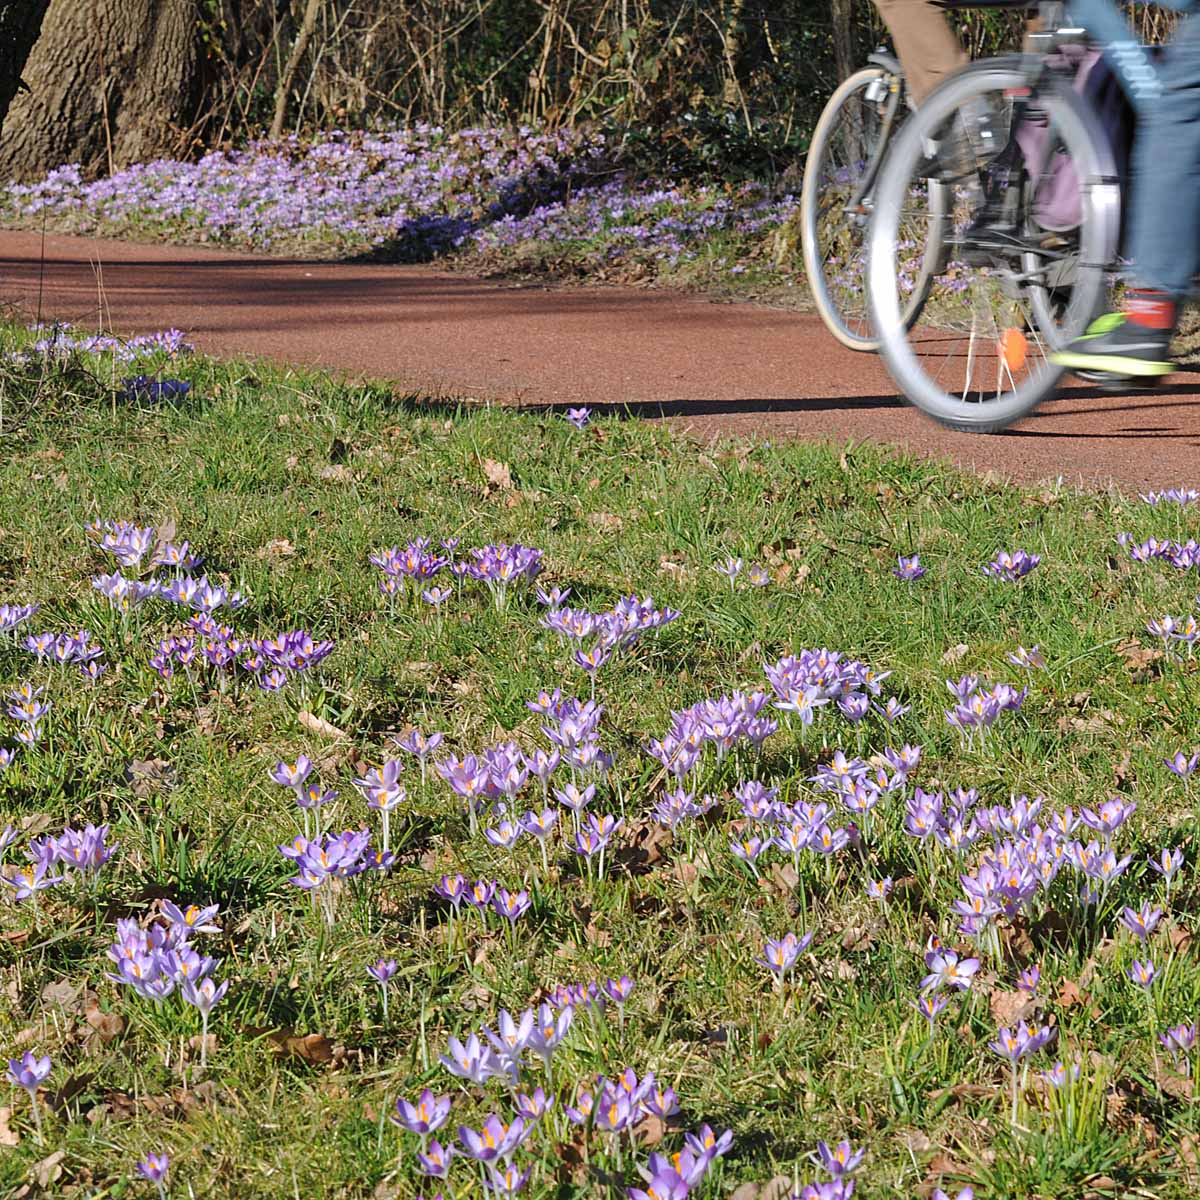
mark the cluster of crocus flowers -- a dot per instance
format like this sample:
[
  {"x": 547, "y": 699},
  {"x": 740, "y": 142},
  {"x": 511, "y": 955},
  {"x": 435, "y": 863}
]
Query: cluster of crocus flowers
[
  {"x": 1011, "y": 565},
  {"x": 723, "y": 723},
  {"x": 384, "y": 794},
  {"x": 839, "y": 1163},
  {"x": 1179, "y": 496},
  {"x": 414, "y": 565},
  {"x": 68, "y": 649},
  {"x": 322, "y": 861},
  {"x": 675, "y": 1176},
  {"x": 161, "y": 960},
  {"x": 310, "y": 795},
  {"x": 1183, "y": 556},
  {"x": 607, "y": 632},
  {"x": 14, "y": 615},
  {"x": 946, "y": 972},
  {"x": 1015, "y": 1045},
  {"x": 270, "y": 662},
  {"x": 28, "y": 709},
  {"x": 51, "y": 859},
  {"x": 804, "y": 682},
  {"x": 484, "y": 896},
  {"x": 977, "y": 706}
]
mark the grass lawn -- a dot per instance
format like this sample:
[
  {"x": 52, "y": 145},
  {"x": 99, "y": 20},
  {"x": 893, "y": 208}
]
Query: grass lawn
[{"x": 287, "y": 483}]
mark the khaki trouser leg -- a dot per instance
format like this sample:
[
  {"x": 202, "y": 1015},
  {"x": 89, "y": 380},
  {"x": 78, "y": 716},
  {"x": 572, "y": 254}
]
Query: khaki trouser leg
[{"x": 924, "y": 41}]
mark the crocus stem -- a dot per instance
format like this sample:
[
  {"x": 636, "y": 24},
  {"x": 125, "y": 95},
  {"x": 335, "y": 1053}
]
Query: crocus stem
[
  {"x": 37, "y": 1116},
  {"x": 385, "y": 1003},
  {"x": 203, "y": 1039},
  {"x": 1014, "y": 1094}
]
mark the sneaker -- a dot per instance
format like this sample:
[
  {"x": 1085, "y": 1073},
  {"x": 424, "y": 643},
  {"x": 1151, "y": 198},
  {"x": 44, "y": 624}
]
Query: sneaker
[{"x": 1114, "y": 345}]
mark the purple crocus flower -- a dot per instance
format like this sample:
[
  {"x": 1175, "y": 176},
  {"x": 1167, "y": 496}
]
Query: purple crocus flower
[
  {"x": 1181, "y": 764},
  {"x": 535, "y": 1105},
  {"x": 838, "y": 1161},
  {"x": 579, "y": 417},
  {"x": 1141, "y": 922},
  {"x": 880, "y": 889},
  {"x": 473, "y": 1061},
  {"x": 908, "y": 569},
  {"x": 434, "y": 1160},
  {"x": 494, "y": 1140},
  {"x": 930, "y": 1005},
  {"x": 506, "y": 1182},
  {"x": 153, "y": 1168},
  {"x": 1028, "y": 980},
  {"x": 29, "y": 1071},
  {"x": 946, "y": 969},
  {"x": 426, "y": 1116},
  {"x": 1143, "y": 973}
]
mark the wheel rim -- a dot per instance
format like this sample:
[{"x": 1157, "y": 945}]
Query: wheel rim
[{"x": 979, "y": 354}]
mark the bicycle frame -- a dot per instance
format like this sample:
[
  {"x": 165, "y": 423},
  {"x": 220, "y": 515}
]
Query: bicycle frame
[{"x": 857, "y": 203}]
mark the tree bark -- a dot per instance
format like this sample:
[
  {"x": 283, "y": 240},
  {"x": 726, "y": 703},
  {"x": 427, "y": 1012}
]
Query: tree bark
[
  {"x": 112, "y": 82},
  {"x": 303, "y": 35},
  {"x": 20, "y": 24},
  {"x": 842, "y": 12}
]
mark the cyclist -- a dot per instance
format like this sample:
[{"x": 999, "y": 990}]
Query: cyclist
[
  {"x": 925, "y": 43},
  {"x": 1135, "y": 343}
]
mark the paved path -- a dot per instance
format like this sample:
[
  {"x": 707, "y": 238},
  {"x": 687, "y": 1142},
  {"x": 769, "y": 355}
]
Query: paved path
[{"x": 714, "y": 368}]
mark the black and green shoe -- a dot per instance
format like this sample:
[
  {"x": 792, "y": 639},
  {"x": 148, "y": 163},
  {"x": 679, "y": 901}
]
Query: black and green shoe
[{"x": 1114, "y": 346}]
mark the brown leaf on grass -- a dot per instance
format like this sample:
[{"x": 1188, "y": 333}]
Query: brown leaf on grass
[
  {"x": 276, "y": 548},
  {"x": 8, "y": 1135},
  {"x": 310, "y": 1047},
  {"x": 63, "y": 994},
  {"x": 685, "y": 871},
  {"x": 147, "y": 775},
  {"x": 745, "y": 1191},
  {"x": 1189, "y": 1157},
  {"x": 1010, "y": 1007},
  {"x": 1101, "y": 1186},
  {"x": 49, "y": 1170},
  {"x": 650, "y": 1130},
  {"x": 105, "y": 1026},
  {"x": 858, "y": 937},
  {"x": 1138, "y": 659},
  {"x": 336, "y": 473},
  {"x": 783, "y": 878},
  {"x": 597, "y": 937},
  {"x": 605, "y": 521},
  {"x": 319, "y": 725},
  {"x": 199, "y": 1042},
  {"x": 497, "y": 474},
  {"x": 1181, "y": 939},
  {"x": 778, "y": 1188},
  {"x": 1070, "y": 995},
  {"x": 916, "y": 1142},
  {"x": 955, "y": 653}
]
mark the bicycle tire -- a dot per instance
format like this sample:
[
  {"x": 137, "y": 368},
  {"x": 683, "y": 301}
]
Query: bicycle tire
[
  {"x": 853, "y": 333},
  {"x": 1097, "y": 242}
]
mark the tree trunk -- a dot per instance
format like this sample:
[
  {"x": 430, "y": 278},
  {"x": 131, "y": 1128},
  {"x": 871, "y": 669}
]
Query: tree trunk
[
  {"x": 307, "y": 25},
  {"x": 20, "y": 23},
  {"x": 842, "y": 12},
  {"x": 112, "y": 82}
]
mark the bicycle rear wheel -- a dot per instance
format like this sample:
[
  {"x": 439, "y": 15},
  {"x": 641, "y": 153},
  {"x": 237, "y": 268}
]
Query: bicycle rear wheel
[
  {"x": 978, "y": 359},
  {"x": 840, "y": 154}
]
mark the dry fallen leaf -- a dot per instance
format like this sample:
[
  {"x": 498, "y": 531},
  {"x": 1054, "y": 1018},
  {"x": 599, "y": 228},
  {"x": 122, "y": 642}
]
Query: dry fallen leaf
[
  {"x": 1010, "y": 1007},
  {"x": 49, "y": 1170},
  {"x": 310, "y": 1047},
  {"x": 8, "y": 1135},
  {"x": 498, "y": 475},
  {"x": 319, "y": 725},
  {"x": 336, "y": 473},
  {"x": 955, "y": 653},
  {"x": 106, "y": 1026},
  {"x": 650, "y": 1130},
  {"x": 608, "y": 522}
]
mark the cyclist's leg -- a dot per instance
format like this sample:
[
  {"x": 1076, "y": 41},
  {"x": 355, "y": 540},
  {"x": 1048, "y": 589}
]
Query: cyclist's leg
[
  {"x": 1164, "y": 225},
  {"x": 925, "y": 43}
]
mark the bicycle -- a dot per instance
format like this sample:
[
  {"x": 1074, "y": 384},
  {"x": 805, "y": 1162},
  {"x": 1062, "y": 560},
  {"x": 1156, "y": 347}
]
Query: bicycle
[
  {"x": 848, "y": 147},
  {"x": 1031, "y": 234}
]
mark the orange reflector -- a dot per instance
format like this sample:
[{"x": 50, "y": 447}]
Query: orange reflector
[{"x": 1014, "y": 348}]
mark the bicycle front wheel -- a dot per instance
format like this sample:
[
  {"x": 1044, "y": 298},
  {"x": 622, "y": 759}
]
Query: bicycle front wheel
[
  {"x": 833, "y": 230},
  {"x": 1028, "y": 237}
]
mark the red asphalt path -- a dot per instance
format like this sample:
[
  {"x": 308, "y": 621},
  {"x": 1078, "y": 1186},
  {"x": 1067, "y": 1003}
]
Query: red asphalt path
[{"x": 715, "y": 369}]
